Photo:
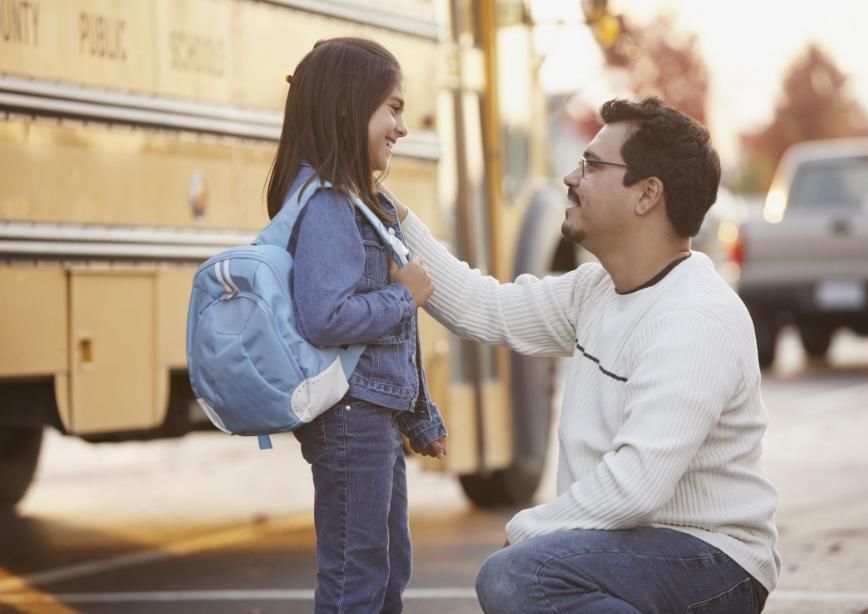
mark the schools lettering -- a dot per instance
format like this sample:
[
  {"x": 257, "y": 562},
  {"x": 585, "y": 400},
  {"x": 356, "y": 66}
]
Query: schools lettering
[{"x": 195, "y": 53}]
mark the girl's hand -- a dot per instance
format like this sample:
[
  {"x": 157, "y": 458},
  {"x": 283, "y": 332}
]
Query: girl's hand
[
  {"x": 399, "y": 206},
  {"x": 415, "y": 276},
  {"x": 435, "y": 449}
]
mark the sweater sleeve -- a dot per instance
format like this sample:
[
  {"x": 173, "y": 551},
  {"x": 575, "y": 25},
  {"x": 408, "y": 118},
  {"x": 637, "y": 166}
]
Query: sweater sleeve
[
  {"x": 531, "y": 316},
  {"x": 684, "y": 378}
]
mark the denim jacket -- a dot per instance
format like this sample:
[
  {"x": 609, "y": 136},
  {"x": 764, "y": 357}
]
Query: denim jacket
[{"x": 342, "y": 295}]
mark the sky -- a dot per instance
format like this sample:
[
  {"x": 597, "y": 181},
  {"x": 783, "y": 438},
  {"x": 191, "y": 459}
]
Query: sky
[{"x": 747, "y": 44}]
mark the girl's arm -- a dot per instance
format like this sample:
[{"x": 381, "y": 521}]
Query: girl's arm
[{"x": 329, "y": 263}]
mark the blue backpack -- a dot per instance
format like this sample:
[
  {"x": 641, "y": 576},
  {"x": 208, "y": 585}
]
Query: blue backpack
[{"x": 250, "y": 369}]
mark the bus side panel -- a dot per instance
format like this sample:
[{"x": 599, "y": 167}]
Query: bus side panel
[
  {"x": 126, "y": 176},
  {"x": 173, "y": 295},
  {"x": 33, "y": 305},
  {"x": 113, "y": 350}
]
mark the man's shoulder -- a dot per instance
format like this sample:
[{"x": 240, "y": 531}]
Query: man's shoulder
[
  {"x": 703, "y": 290},
  {"x": 591, "y": 273},
  {"x": 702, "y": 296},
  {"x": 587, "y": 281}
]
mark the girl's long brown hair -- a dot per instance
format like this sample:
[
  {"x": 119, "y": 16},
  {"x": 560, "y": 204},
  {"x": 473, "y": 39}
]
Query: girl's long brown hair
[{"x": 334, "y": 91}]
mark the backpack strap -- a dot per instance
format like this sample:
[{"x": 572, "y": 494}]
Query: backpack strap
[
  {"x": 280, "y": 228},
  {"x": 399, "y": 250},
  {"x": 278, "y": 231}
]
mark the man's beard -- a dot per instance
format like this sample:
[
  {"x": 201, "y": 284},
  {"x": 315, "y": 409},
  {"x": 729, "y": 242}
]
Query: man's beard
[{"x": 574, "y": 235}]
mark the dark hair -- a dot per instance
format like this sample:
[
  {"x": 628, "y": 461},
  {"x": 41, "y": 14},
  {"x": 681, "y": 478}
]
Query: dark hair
[
  {"x": 665, "y": 143},
  {"x": 334, "y": 91}
]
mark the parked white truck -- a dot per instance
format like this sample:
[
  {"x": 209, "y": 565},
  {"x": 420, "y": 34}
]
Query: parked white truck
[{"x": 806, "y": 261}]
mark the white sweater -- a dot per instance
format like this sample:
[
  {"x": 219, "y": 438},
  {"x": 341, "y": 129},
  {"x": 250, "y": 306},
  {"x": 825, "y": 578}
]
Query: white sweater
[{"x": 662, "y": 416}]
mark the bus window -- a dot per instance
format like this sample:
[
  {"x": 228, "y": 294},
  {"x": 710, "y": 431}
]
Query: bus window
[{"x": 515, "y": 91}]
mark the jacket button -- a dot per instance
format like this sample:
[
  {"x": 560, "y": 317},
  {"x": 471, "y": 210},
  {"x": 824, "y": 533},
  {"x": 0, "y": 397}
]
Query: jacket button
[
  {"x": 348, "y": 407},
  {"x": 391, "y": 230}
]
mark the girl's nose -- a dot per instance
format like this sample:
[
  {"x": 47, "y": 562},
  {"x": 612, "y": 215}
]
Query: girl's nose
[{"x": 401, "y": 127}]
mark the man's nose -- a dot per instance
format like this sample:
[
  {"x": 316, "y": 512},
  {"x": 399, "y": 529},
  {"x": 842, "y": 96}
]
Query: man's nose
[{"x": 573, "y": 178}]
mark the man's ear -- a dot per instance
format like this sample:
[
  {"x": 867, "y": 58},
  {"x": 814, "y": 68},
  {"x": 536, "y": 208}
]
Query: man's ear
[{"x": 651, "y": 195}]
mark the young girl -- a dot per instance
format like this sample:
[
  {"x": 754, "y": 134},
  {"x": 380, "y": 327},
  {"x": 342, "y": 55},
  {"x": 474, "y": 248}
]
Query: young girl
[{"x": 344, "y": 113}]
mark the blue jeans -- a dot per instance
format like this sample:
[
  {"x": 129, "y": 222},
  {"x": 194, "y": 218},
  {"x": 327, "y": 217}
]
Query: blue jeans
[
  {"x": 360, "y": 508},
  {"x": 635, "y": 571}
]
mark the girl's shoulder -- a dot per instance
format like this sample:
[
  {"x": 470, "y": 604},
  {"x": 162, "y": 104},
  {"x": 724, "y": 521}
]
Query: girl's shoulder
[
  {"x": 327, "y": 210},
  {"x": 323, "y": 196},
  {"x": 387, "y": 203}
]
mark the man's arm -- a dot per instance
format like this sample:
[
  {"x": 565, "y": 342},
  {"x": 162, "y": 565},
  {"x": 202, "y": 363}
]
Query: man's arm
[
  {"x": 532, "y": 316},
  {"x": 683, "y": 381}
]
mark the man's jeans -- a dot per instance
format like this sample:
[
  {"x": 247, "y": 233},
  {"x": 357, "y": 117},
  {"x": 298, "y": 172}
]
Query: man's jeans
[
  {"x": 636, "y": 571},
  {"x": 360, "y": 508}
]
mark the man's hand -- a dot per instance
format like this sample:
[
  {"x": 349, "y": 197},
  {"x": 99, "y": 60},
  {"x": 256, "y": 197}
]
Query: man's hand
[
  {"x": 435, "y": 449},
  {"x": 399, "y": 206},
  {"x": 415, "y": 276}
]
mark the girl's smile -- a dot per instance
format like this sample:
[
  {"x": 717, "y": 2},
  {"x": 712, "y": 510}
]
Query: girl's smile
[{"x": 385, "y": 127}]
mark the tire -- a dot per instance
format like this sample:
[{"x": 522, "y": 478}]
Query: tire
[
  {"x": 19, "y": 455},
  {"x": 766, "y": 339},
  {"x": 532, "y": 390},
  {"x": 504, "y": 487},
  {"x": 816, "y": 340},
  {"x": 540, "y": 251}
]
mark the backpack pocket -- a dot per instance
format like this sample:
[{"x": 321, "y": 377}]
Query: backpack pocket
[{"x": 248, "y": 370}]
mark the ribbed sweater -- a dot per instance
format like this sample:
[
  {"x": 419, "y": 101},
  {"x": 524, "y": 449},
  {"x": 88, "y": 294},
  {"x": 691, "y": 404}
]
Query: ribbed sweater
[{"x": 662, "y": 416}]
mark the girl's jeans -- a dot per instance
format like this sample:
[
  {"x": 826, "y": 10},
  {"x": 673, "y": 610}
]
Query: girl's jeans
[
  {"x": 360, "y": 508},
  {"x": 637, "y": 571}
]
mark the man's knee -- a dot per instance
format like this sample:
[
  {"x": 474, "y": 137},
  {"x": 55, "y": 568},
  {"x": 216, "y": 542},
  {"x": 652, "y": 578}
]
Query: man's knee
[{"x": 502, "y": 586}]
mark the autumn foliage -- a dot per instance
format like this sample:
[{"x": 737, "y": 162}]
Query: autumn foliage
[
  {"x": 814, "y": 103},
  {"x": 670, "y": 66},
  {"x": 656, "y": 59}
]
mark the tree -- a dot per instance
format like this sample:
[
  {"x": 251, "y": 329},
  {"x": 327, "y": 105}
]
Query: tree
[
  {"x": 814, "y": 103},
  {"x": 652, "y": 60},
  {"x": 669, "y": 65}
]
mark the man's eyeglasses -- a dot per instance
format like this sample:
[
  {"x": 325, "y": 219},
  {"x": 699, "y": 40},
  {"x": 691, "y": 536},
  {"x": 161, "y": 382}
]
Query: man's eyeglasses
[{"x": 584, "y": 163}]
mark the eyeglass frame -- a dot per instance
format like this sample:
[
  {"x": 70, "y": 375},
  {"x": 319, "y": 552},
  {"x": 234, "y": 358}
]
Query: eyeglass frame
[{"x": 583, "y": 162}]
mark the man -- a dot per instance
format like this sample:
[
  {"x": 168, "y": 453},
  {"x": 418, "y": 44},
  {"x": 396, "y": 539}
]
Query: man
[{"x": 662, "y": 503}]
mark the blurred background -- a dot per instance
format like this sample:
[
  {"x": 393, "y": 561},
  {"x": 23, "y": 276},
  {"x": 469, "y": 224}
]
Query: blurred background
[{"x": 135, "y": 142}]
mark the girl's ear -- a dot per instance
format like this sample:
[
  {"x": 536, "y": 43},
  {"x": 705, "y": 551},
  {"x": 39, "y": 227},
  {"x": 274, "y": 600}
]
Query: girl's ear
[{"x": 652, "y": 193}]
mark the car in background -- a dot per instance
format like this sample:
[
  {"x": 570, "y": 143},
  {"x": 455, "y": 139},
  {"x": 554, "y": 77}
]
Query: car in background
[
  {"x": 805, "y": 261},
  {"x": 719, "y": 228}
]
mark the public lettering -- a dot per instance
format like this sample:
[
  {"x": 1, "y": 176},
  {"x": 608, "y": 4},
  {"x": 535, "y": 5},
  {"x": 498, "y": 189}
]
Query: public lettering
[
  {"x": 195, "y": 53},
  {"x": 19, "y": 22},
  {"x": 102, "y": 37}
]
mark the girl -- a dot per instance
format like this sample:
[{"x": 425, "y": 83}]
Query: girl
[{"x": 344, "y": 113}]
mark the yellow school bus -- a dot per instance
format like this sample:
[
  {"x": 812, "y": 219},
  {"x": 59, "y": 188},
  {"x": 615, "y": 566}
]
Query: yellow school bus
[{"x": 135, "y": 140}]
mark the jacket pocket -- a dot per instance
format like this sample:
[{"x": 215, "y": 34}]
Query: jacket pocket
[{"x": 376, "y": 271}]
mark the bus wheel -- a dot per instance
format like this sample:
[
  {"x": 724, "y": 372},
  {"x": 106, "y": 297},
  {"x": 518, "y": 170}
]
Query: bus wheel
[
  {"x": 511, "y": 486},
  {"x": 19, "y": 453},
  {"x": 532, "y": 392},
  {"x": 766, "y": 329},
  {"x": 816, "y": 339}
]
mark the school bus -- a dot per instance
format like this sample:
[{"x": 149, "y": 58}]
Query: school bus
[{"x": 135, "y": 140}]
